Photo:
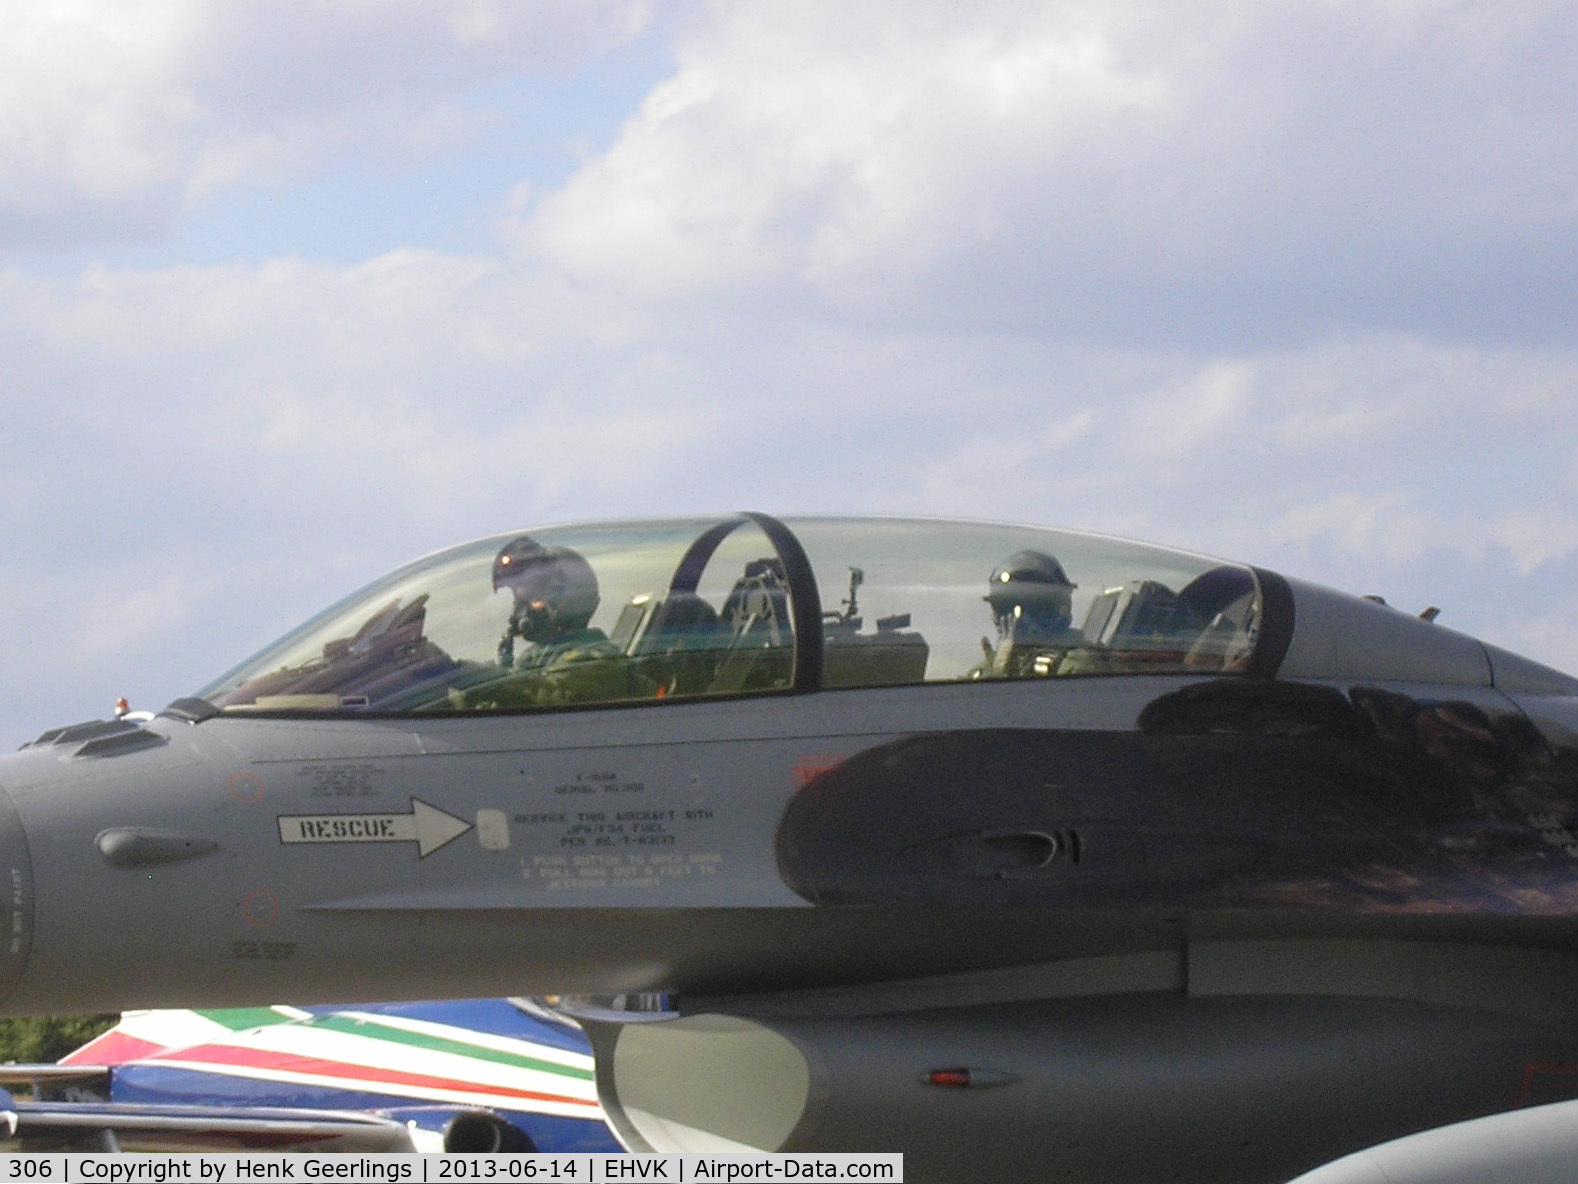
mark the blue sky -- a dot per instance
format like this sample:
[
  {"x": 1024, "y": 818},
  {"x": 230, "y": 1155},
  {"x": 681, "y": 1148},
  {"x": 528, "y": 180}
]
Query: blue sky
[{"x": 290, "y": 294}]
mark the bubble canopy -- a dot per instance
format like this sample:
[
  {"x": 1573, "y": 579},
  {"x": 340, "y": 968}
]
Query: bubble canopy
[{"x": 679, "y": 609}]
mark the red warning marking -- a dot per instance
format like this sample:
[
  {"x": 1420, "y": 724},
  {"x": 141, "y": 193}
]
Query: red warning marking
[
  {"x": 260, "y": 908},
  {"x": 808, "y": 768},
  {"x": 246, "y": 787}
]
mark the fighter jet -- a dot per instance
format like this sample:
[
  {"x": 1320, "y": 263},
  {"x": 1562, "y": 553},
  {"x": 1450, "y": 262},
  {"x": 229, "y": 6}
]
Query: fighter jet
[
  {"x": 473, "y": 1075},
  {"x": 1028, "y": 853}
]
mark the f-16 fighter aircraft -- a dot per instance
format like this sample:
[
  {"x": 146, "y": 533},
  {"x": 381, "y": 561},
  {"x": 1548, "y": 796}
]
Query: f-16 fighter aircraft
[
  {"x": 1029, "y": 853},
  {"x": 470, "y": 1075}
]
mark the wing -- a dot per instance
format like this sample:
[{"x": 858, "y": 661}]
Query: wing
[
  {"x": 113, "y": 1126},
  {"x": 50, "y": 1079}
]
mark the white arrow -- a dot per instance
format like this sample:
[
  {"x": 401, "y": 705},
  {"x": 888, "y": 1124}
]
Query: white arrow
[{"x": 426, "y": 826}]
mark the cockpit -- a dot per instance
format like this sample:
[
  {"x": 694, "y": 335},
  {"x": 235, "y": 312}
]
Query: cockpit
[{"x": 680, "y": 609}]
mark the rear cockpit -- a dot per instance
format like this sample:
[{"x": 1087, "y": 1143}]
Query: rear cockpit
[{"x": 683, "y": 609}]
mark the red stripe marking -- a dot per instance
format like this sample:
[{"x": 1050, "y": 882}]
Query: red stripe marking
[
  {"x": 1530, "y": 1071},
  {"x": 254, "y": 1058},
  {"x": 808, "y": 768},
  {"x": 112, "y": 1048}
]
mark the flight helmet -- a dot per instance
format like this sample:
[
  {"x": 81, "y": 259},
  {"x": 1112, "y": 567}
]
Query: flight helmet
[
  {"x": 555, "y": 588},
  {"x": 1029, "y": 591}
]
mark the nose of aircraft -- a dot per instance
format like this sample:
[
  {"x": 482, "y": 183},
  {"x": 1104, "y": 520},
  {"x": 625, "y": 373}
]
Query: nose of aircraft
[{"x": 16, "y": 896}]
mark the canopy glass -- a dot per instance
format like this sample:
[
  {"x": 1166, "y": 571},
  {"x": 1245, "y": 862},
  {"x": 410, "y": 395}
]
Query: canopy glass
[{"x": 676, "y": 609}]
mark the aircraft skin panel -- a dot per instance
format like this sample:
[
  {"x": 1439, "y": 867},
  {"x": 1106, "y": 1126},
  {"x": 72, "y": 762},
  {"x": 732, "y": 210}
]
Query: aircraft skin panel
[
  {"x": 143, "y": 1033},
  {"x": 1227, "y": 795},
  {"x": 343, "y": 1035},
  {"x": 481, "y": 1047},
  {"x": 112, "y": 1048},
  {"x": 393, "y": 1055},
  {"x": 486, "y": 1023},
  {"x": 1218, "y": 755},
  {"x": 336, "y": 1064},
  {"x": 332, "y": 1074}
]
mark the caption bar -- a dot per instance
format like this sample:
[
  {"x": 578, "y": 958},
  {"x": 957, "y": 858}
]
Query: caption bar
[{"x": 149, "y": 1168}]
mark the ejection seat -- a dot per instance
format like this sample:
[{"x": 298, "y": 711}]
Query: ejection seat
[
  {"x": 759, "y": 653},
  {"x": 673, "y": 640},
  {"x": 1222, "y": 606},
  {"x": 1128, "y": 628}
]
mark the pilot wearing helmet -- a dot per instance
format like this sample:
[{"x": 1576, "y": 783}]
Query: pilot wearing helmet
[
  {"x": 564, "y": 659},
  {"x": 1032, "y": 602},
  {"x": 555, "y": 594}
]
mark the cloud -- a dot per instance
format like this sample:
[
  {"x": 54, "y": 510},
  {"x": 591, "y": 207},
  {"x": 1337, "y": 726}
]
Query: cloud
[
  {"x": 1271, "y": 283},
  {"x": 1535, "y": 536},
  {"x": 114, "y": 119},
  {"x": 1116, "y": 172},
  {"x": 452, "y": 392},
  {"x": 208, "y": 455}
]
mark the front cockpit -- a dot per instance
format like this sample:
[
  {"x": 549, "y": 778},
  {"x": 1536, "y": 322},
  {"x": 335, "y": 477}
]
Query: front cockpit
[{"x": 679, "y": 609}]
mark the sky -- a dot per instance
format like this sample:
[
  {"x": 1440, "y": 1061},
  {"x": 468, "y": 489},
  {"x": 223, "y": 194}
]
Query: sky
[{"x": 293, "y": 293}]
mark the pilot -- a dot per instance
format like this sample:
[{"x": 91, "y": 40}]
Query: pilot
[
  {"x": 1032, "y": 602},
  {"x": 555, "y": 593},
  {"x": 564, "y": 660}
]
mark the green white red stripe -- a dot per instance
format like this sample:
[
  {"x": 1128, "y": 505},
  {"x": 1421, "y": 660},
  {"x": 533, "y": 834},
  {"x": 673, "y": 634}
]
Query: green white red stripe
[{"x": 359, "y": 1051}]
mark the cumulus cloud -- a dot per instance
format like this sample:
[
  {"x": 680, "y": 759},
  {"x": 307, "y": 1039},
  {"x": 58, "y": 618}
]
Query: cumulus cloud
[
  {"x": 1125, "y": 171},
  {"x": 115, "y": 118}
]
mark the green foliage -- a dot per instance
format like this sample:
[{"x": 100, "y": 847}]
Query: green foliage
[{"x": 49, "y": 1037}]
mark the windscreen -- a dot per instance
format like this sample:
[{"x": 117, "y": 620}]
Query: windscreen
[{"x": 598, "y": 613}]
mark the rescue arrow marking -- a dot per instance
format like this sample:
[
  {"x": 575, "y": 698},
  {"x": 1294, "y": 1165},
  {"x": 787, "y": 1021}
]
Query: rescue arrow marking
[{"x": 426, "y": 826}]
